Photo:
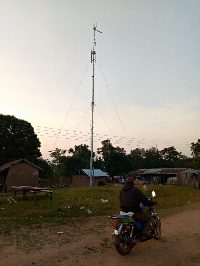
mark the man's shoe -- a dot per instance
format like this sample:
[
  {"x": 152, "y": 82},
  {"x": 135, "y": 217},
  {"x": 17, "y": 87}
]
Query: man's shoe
[{"x": 144, "y": 237}]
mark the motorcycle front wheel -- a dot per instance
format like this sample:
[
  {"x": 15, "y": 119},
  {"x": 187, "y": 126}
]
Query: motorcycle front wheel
[
  {"x": 157, "y": 233},
  {"x": 125, "y": 244}
]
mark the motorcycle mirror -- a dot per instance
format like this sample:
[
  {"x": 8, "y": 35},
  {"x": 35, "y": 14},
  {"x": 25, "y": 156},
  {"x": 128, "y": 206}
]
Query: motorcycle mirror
[{"x": 153, "y": 193}]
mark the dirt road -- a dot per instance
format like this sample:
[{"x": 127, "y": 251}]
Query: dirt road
[{"x": 89, "y": 244}]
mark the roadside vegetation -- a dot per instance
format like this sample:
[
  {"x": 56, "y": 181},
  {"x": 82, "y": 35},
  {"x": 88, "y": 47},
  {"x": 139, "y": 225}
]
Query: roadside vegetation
[
  {"x": 70, "y": 205},
  {"x": 113, "y": 160}
]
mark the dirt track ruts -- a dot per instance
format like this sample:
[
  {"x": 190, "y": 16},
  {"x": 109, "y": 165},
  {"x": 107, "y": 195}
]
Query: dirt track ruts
[{"x": 89, "y": 244}]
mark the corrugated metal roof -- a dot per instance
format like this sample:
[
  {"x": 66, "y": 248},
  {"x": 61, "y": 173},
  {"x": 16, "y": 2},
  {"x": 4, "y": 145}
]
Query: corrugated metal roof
[
  {"x": 7, "y": 165},
  {"x": 158, "y": 171},
  {"x": 152, "y": 171},
  {"x": 145, "y": 171},
  {"x": 191, "y": 171},
  {"x": 96, "y": 172},
  {"x": 172, "y": 170},
  {"x": 138, "y": 172}
]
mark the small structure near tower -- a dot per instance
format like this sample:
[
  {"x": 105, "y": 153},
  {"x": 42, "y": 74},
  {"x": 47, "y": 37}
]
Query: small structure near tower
[{"x": 82, "y": 178}]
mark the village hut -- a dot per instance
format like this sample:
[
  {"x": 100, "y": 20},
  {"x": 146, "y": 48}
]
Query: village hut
[
  {"x": 158, "y": 175},
  {"x": 18, "y": 173},
  {"x": 189, "y": 178},
  {"x": 168, "y": 175},
  {"x": 82, "y": 178}
]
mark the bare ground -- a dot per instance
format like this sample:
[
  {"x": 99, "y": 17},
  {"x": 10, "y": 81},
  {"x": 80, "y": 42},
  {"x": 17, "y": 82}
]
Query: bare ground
[{"x": 89, "y": 244}]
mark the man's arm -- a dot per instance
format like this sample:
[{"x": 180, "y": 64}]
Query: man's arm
[{"x": 142, "y": 198}]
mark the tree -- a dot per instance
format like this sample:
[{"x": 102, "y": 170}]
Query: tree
[
  {"x": 67, "y": 165},
  {"x": 196, "y": 162},
  {"x": 82, "y": 151},
  {"x": 70, "y": 165},
  {"x": 153, "y": 158},
  {"x": 186, "y": 162},
  {"x": 46, "y": 167},
  {"x": 56, "y": 155},
  {"x": 114, "y": 158},
  {"x": 99, "y": 163},
  {"x": 195, "y": 148},
  {"x": 170, "y": 155},
  {"x": 137, "y": 157},
  {"x": 17, "y": 140}
]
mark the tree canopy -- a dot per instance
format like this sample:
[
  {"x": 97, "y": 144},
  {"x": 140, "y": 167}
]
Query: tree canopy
[
  {"x": 17, "y": 140},
  {"x": 82, "y": 151},
  {"x": 115, "y": 161},
  {"x": 56, "y": 155},
  {"x": 153, "y": 158},
  {"x": 114, "y": 158},
  {"x": 195, "y": 148},
  {"x": 67, "y": 165}
]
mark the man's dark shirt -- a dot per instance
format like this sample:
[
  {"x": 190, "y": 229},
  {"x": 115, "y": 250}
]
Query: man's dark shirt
[{"x": 130, "y": 198}]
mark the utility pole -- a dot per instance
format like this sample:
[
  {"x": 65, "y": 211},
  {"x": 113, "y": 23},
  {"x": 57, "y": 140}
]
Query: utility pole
[{"x": 93, "y": 61}]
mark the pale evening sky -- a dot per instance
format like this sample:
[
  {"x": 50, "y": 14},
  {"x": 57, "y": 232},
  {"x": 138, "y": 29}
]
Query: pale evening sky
[{"x": 146, "y": 75}]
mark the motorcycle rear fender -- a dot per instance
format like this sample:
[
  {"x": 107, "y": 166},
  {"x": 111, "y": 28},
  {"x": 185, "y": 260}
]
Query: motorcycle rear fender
[{"x": 118, "y": 231}]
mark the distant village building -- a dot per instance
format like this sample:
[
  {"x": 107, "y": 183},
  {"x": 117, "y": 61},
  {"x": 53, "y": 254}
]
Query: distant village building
[
  {"x": 82, "y": 178},
  {"x": 174, "y": 176},
  {"x": 189, "y": 177},
  {"x": 18, "y": 173}
]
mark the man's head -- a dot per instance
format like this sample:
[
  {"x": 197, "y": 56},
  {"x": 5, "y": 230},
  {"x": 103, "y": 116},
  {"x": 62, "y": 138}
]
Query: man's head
[{"x": 129, "y": 181}]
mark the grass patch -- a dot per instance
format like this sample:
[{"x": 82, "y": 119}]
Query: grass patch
[{"x": 78, "y": 204}]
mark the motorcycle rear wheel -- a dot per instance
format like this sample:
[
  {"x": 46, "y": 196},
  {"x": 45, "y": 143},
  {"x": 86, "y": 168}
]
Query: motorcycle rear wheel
[
  {"x": 157, "y": 233},
  {"x": 125, "y": 244}
]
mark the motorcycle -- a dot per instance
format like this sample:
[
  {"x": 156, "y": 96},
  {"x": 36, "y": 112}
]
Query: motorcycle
[{"x": 127, "y": 231}]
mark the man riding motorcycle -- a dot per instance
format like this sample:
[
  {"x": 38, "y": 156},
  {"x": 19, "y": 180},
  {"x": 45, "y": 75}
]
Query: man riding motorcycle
[{"x": 130, "y": 199}]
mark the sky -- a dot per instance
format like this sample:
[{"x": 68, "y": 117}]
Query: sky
[{"x": 146, "y": 72}]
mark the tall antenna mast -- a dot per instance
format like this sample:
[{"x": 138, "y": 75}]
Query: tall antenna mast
[{"x": 93, "y": 61}]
